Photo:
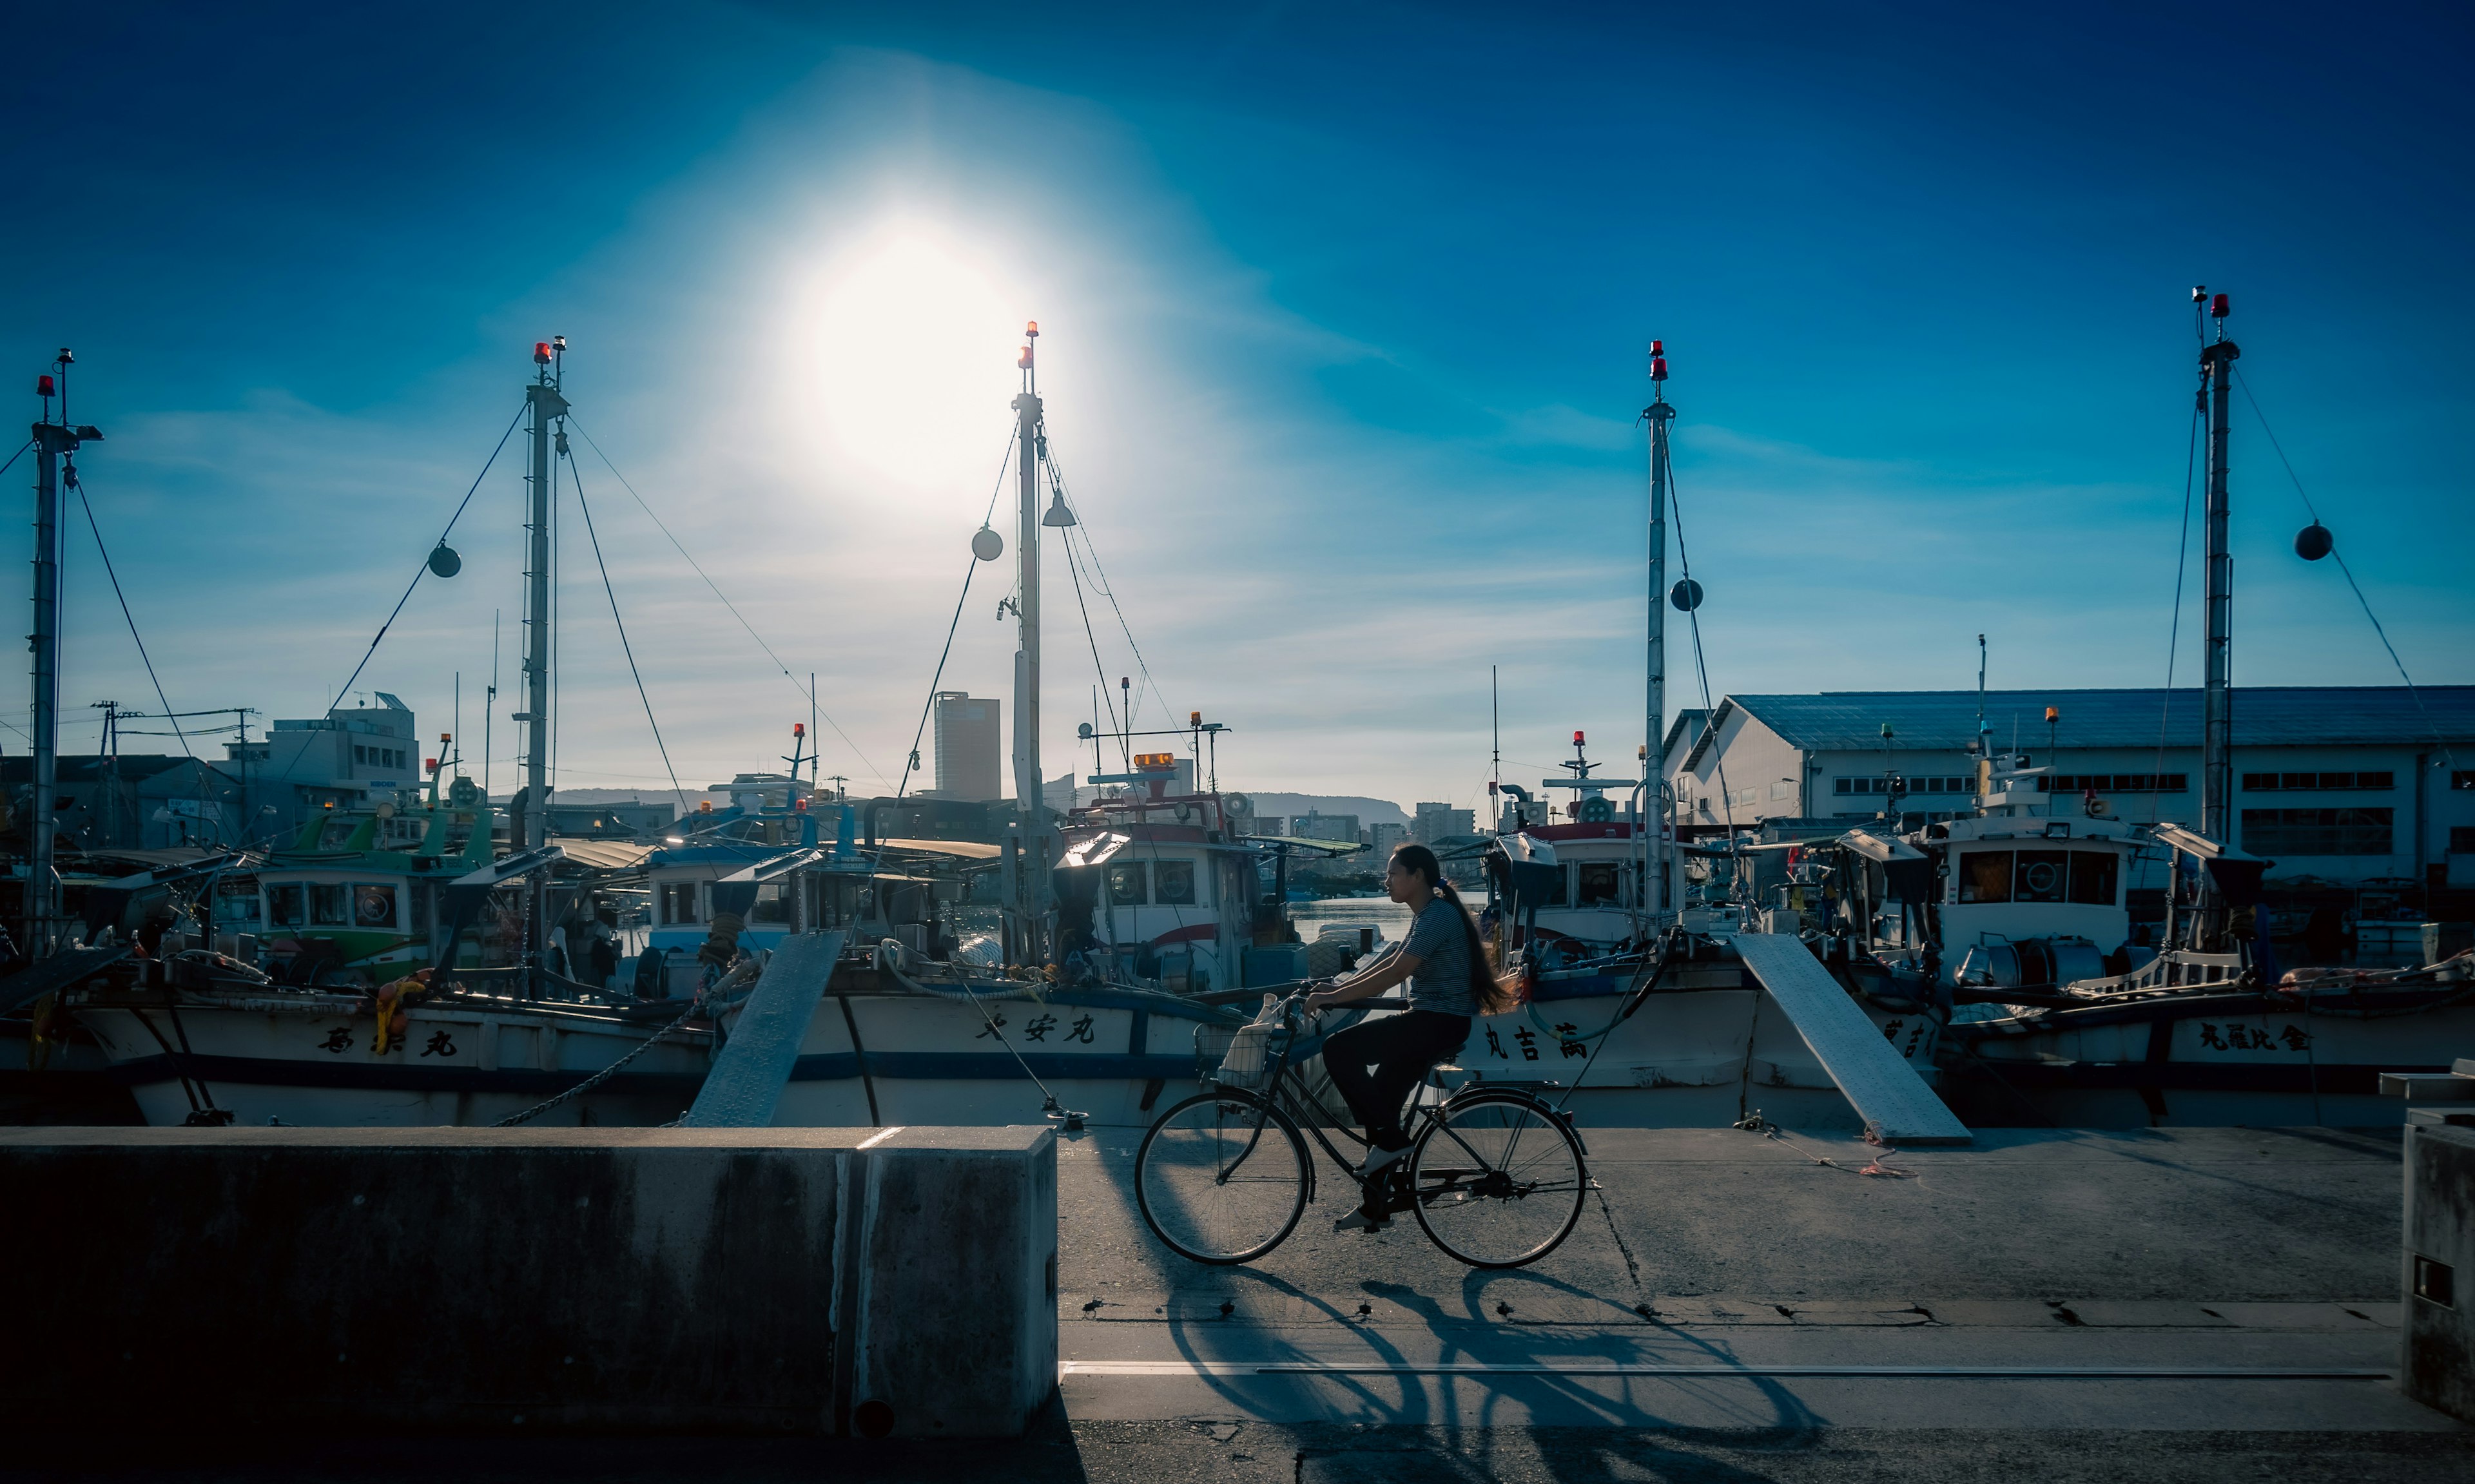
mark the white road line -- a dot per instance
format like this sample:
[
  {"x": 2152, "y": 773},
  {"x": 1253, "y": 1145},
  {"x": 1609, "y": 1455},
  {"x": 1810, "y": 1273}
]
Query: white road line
[{"x": 1182, "y": 1368}]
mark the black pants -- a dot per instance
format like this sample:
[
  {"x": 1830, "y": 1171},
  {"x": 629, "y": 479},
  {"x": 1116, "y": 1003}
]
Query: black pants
[{"x": 1400, "y": 1049}]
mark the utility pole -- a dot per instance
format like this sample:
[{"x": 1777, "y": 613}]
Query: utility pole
[
  {"x": 55, "y": 446},
  {"x": 2216, "y": 705},
  {"x": 542, "y": 397},
  {"x": 1032, "y": 876},
  {"x": 111, "y": 749},
  {"x": 1653, "y": 860}
]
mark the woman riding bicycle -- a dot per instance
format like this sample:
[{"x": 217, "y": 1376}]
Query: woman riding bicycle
[{"x": 1376, "y": 1062}]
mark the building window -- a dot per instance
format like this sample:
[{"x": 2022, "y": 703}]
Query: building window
[
  {"x": 2279, "y": 832},
  {"x": 2462, "y": 778},
  {"x": 2113, "y": 783},
  {"x": 2264, "y": 782},
  {"x": 361, "y": 754},
  {"x": 2462, "y": 840},
  {"x": 1126, "y": 884},
  {"x": 1946, "y": 784},
  {"x": 1176, "y": 882}
]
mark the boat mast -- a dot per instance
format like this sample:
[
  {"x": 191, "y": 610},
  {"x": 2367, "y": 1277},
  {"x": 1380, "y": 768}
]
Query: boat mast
[
  {"x": 1654, "y": 861},
  {"x": 54, "y": 443},
  {"x": 2216, "y": 706},
  {"x": 1032, "y": 879},
  {"x": 542, "y": 397}
]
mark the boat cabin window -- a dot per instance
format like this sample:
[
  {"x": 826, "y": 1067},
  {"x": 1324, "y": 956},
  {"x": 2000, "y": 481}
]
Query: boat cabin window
[
  {"x": 1559, "y": 892},
  {"x": 1176, "y": 882},
  {"x": 236, "y": 907},
  {"x": 403, "y": 832},
  {"x": 1985, "y": 876},
  {"x": 2042, "y": 876},
  {"x": 421, "y": 907},
  {"x": 287, "y": 905},
  {"x": 1600, "y": 883},
  {"x": 373, "y": 906},
  {"x": 330, "y": 904},
  {"x": 335, "y": 830},
  {"x": 2088, "y": 877},
  {"x": 773, "y": 904},
  {"x": 1126, "y": 882},
  {"x": 679, "y": 901},
  {"x": 2094, "y": 875}
]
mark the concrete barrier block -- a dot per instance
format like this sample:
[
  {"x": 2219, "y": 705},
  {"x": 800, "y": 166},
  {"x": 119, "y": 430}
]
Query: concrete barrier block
[
  {"x": 2437, "y": 1341},
  {"x": 629, "y": 1280}
]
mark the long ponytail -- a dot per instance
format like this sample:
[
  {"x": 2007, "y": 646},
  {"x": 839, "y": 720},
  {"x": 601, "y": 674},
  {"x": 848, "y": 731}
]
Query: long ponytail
[{"x": 1491, "y": 995}]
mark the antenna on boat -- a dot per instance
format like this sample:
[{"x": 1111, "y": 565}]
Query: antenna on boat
[
  {"x": 1031, "y": 880},
  {"x": 54, "y": 442},
  {"x": 1659, "y": 414},
  {"x": 543, "y": 400},
  {"x": 1495, "y": 757},
  {"x": 2216, "y": 703}
]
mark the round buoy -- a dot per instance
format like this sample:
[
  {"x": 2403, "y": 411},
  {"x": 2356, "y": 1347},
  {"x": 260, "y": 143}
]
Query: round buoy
[
  {"x": 445, "y": 562},
  {"x": 1686, "y": 594},
  {"x": 2313, "y": 542},
  {"x": 987, "y": 544}
]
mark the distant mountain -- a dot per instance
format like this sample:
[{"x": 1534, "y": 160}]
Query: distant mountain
[{"x": 1369, "y": 812}]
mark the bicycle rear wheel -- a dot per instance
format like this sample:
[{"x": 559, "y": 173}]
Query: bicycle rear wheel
[
  {"x": 1222, "y": 1176},
  {"x": 1498, "y": 1180}
]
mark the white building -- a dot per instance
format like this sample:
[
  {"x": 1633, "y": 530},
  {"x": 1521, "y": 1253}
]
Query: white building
[
  {"x": 353, "y": 756},
  {"x": 2344, "y": 784}
]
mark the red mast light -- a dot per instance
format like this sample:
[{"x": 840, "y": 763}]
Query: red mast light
[
  {"x": 2219, "y": 308},
  {"x": 541, "y": 352},
  {"x": 1659, "y": 348},
  {"x": 1658, "y": 368},
  {"x": 798, "y": 729},
  {"x": 1576, "y": 739},
  {"x": 44, "y": 386}
]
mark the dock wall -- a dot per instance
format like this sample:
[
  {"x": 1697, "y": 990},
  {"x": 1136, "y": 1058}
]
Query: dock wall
[
  {"x": 771, "y": 1281},
  {"x": 2437, "y": 1338}
]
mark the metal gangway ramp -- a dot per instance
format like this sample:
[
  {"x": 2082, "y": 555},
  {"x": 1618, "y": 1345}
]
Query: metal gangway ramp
[
  {"x": 1887, "y": 1093},
  {"x": 746, "y": 1083}
]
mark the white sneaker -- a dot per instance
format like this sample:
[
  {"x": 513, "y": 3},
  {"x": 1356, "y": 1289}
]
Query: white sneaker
[{"x": 1378, "y": 1160}]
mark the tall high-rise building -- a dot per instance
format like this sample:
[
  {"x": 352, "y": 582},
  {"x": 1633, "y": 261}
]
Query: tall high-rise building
[
  {"x": 1432, "y": 822},
  {"x": 966, "y": 746}
]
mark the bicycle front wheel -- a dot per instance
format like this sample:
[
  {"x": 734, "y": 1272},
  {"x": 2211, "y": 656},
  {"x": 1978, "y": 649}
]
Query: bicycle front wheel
[
  {"x": 1498, "y": 1180},
  {"x": 1222, "y": 1176}
]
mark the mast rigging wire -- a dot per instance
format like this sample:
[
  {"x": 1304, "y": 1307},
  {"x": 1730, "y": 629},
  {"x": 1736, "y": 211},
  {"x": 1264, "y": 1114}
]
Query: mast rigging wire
[
  {"x": 1700, "y": 665},
  {"x": 2357, "y": 588},
  {"x": 2174, "y": 629},
  {"x": 807, "y": 691},
  {"x": 418, "y": 572},
  {"x": 1100, "y": 582},
  {"x": 78, "y": 483},
  {"x": 903, "y": 789},
  {"x": 577, "y": 476}
]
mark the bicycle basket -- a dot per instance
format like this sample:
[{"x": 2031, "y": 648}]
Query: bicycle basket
[{"x": 1245, "y": 1058}]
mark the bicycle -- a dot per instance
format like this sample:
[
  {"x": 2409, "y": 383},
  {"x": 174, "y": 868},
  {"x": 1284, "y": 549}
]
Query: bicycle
[{"x": 1495, "y": 1175}]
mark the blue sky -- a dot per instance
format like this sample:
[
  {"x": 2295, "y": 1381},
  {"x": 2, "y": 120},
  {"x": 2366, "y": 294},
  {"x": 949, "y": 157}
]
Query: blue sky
[{"x": 1343, "y": 317}]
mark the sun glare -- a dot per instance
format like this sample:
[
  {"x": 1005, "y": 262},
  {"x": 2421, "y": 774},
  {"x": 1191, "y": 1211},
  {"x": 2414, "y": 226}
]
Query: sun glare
[{"x": 912, "y": 349}]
